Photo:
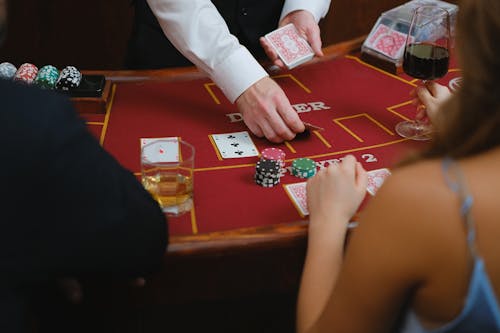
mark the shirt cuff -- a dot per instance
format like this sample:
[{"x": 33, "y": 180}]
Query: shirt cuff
[
  {"x": 237, "y": 73},
  {"x": 319, "y": 8}
]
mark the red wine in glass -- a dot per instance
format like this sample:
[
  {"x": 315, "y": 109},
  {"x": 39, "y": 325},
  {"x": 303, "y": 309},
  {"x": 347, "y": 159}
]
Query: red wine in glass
[
  {"x": 426, "y": 57},
  {"x": 426, "y": 61}
]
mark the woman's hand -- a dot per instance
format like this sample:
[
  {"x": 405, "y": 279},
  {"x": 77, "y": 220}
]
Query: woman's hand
[
  {"x": 428, "y": 99},
  {"x": 335, "y": 193}
]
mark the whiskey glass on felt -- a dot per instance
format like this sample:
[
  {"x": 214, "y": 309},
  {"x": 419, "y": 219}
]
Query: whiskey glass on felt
[
  {"x": 167, "y": 168},
  {"x": 426, "y": 57}
]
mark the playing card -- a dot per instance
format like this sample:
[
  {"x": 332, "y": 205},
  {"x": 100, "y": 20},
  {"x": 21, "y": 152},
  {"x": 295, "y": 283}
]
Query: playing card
[
  {"x": 387, "y": 41},
  {"x": 375, "y": 179},
  {"x": 291, "y": 47},
  {"x": 235, "y": 145},
  {"x": 298, "y": 195},
  {"x": 167, "y": 149}
]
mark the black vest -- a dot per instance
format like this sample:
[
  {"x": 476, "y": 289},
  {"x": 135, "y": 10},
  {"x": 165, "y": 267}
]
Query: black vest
[{"x": 248, "y": 20}]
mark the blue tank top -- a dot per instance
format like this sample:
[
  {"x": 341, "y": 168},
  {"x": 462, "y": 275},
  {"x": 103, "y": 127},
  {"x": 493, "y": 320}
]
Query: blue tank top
[{"x": 481, "y": 313}]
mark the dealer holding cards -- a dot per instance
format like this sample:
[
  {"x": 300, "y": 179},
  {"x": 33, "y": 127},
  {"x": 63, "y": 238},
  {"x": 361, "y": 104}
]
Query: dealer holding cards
[{"x": 210, "y": 38}]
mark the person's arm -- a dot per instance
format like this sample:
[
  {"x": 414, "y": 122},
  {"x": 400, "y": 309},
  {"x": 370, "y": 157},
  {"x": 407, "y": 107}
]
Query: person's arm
[
  {"x": 199, "y": 32},
  {"x": 333, "y": 196},
  {"x": 318, "y": 8},
  {"x": 365, "y": 289}
]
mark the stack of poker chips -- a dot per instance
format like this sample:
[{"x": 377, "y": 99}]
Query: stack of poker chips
[
  {"x": 7, "y": 70},
  {"x": 47, "y": 77},
  {"x": 303, "y": 168},
  {"x": 267, "y": 173},
  {"x": 69, "y": 79},
  {"x": 26, "y": 73},
  {"x": 268, "y": 169}
]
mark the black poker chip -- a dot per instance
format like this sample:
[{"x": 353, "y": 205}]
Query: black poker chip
[{"x": 69, "y": 78}]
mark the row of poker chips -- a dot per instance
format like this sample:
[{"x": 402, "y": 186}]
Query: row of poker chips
[
  {"x": 272, "y": 160},
  {"x": 48, "y": 77}
]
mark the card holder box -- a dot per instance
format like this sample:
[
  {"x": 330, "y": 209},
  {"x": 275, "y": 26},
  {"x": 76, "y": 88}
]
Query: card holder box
[{"x": 393, "y": 25}]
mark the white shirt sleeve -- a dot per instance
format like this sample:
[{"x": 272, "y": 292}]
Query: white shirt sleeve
[
  {"x": 199, "y": 32},
  {"x": 319, "y": 8}
]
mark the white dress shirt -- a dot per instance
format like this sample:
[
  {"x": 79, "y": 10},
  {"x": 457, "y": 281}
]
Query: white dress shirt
[{"x": 199, "y": 32}]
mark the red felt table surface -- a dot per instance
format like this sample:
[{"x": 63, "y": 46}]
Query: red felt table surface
[{"x": 357, "y": 105}]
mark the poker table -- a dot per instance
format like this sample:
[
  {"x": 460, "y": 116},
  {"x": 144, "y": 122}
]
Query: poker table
[{"x": 241, "y": 238}]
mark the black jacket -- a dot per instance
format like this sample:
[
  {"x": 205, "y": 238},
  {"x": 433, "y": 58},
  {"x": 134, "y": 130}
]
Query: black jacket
[
  {"x": 248, "y": 20},
  {"x": 68, "y": 207}
]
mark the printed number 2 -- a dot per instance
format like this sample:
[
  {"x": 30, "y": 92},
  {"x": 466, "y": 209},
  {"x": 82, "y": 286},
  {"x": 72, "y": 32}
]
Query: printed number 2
[{"x": 369, "y": 158}]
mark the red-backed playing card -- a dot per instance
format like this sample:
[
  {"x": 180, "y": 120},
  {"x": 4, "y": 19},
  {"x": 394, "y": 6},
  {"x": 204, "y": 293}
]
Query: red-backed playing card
[
  {"x": 375, "y": 179},
  {"x": 387, "y": 41},
  {"x": 292, "y": 48}
]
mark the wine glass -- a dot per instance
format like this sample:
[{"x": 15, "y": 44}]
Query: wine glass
[{"x": 426, "y": 57}]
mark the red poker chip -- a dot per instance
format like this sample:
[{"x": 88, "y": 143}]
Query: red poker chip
[
  {"x": 273, "y": 154},
  {"x": 26, "y": 73}
]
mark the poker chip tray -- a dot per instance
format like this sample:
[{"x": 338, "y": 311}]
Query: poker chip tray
[{"x": 93, "y": 95}]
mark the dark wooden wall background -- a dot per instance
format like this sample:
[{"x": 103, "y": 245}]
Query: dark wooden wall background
[{"x": 93, "y": 34}]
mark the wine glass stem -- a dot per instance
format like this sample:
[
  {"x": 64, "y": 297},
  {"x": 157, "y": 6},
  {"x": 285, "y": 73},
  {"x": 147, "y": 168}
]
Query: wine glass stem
[{"x": 419, "y": 124}]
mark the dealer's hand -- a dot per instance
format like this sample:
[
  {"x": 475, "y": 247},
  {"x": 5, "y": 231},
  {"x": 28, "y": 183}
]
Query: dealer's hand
[
  {"x": 306, "y": 26},
  {"x": 267, "y": 112}
]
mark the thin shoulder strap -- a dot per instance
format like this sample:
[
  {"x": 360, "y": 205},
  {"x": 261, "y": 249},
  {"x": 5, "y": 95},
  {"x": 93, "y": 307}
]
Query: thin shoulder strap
[{"x": 456, "y": 182}]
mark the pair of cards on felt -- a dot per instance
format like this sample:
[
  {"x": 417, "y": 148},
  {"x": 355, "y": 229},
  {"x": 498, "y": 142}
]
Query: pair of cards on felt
[
  {"x": 229, "y": 145},
  {"x": 298, "y": 194}
]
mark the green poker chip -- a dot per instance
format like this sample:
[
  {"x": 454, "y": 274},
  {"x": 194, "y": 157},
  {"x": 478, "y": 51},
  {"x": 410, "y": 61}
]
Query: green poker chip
[
  {"x": 303, "y": 168},
  {"x": 47, "y": 77}
]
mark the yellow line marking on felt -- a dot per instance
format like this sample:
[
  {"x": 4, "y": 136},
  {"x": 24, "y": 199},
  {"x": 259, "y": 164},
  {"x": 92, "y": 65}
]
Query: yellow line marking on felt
[
  {"x": 388, "y": 131},
  {"x": 290, "y": 147},
  {"x": 215, "y": 147},
  {"x": 293, "y": 201},
  {"x": 322, "y": 139},
  {"x": 208, "y": 87},
  {"x": 338, "y": 122},
  {"x": 347, "y": 151},
  {"x": 108, "y": 113},
  {"x": 225, "y": 167},
  {"x": 391, "y": 109},
  {"x": 294, "y": 79},
  {"x": 194, "y": 226},
  {"x": 380, "y": 70},
  {"x": 97, "y": 123},
  {"x": 181, "y": 159}
]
